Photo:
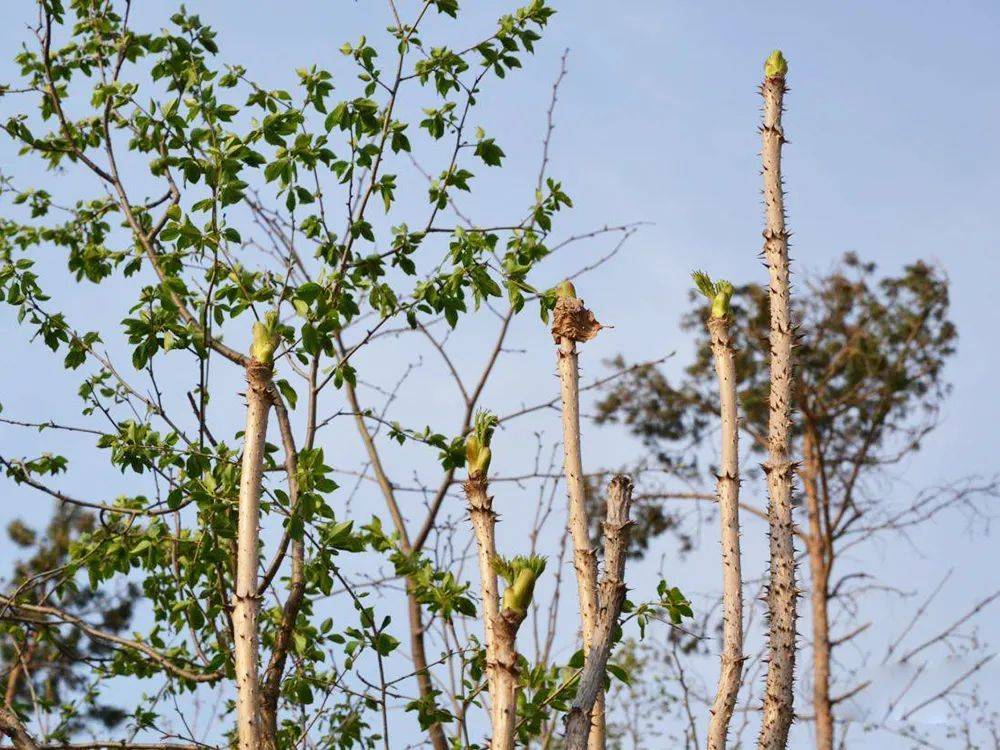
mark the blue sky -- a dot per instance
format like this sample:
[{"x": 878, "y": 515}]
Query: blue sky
[{"x": 892, "y": 121}]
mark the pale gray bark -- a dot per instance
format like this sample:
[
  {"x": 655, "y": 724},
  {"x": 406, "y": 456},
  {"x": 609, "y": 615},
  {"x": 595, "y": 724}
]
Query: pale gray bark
[
  {"x": 781, "y": 592},
  {"x": 728, "y": 494},
  {"x": 505, "y": 629},
  {"x": 246, "y": 599},
  {"x": 612, "y": 595},
  {"x": 483, "y": 525},
  {"x": 572, "y": 318}
]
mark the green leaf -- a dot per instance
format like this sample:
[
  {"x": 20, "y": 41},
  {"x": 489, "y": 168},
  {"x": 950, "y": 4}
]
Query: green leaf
[
  {"x": 287, "y": 392},
  {"x": 489, "y": 152},
  {"x": 620, "y": 673}
]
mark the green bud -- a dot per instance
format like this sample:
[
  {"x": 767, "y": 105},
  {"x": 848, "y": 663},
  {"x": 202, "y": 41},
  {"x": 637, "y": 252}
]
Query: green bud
[
  {"x": 566, "y": 289},
  {"x": 776, "y": 66},
  {"x": 517, "y": 598},
  {"x": 719, "y": 293},
  {"x": 265, "y": 338},
  {"x": 477, "y": 457},
  {"x": 520, "y": 573},
  {"x": 720, "y": 302},
  {"x": 477, "y": 444}
]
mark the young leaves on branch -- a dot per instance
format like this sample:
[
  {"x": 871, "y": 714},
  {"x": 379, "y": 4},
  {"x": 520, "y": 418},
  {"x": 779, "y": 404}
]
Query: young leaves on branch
[
  {"x": 718, "y": 293},
  {"x": 520, "y": 573}
]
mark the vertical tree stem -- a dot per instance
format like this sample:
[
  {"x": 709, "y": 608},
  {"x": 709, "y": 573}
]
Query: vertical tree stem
[
  {"x": 818, "y": 548},
  {"x": 501, "y": 620},
  {"x": 505, "y": 701},
  {"x": 584, "y": 560},
  {"x": 483, "y": 524},
  {"x": 728, "y": 492},
  {"x": 246, "y": 598},
  {"x": 579, "y": 720},
  {"x": 781, "y": 592},
  {"x": 283, "y": 639}
]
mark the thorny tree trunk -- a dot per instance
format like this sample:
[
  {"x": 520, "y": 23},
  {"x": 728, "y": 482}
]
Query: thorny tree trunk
[
  {"x": 505, "y": 701},
  {"x": 501, "y": 619},
  {"x": 728, "y": 492},
  {"x": 483, "y": 524},
  {"x": 246, "y": 600},
  {"x": 584, "y": 560},
  {"x": 820, "y": 563},
  {"x": 612, "y": 595},
  {"x": 781, "y": 591}
]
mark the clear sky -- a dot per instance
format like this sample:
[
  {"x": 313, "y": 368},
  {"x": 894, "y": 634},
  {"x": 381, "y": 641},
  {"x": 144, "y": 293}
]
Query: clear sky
[{"x": 892, "y": 120}]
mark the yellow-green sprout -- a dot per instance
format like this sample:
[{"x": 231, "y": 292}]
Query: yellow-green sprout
[
  {"x": 520, "y": 574},
  {"x": 566, "y": 289},
  {"x": 265, "y": 338},
  {"x": 477, "y": 445},
  {"x": 719, "y": 293},
  {"x": 776, "y": 66}
]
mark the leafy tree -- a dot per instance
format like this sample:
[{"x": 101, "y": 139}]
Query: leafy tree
[{"x": 217, "y": 205}]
